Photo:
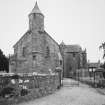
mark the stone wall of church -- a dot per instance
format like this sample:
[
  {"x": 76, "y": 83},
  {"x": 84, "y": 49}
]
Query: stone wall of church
[
  {"x": 46, "y": 50},
  {"x": 36, "y": 52},
  {"x": 53, "y": 60},
  {"x": 22, "y": 54}
]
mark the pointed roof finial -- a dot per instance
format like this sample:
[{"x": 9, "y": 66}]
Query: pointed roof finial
[
  {"x": 36, "y": 9},
  {"x": 62, "y": 43}
]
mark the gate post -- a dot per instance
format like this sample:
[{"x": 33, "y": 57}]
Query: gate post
[{"x": 59, "y": 71}]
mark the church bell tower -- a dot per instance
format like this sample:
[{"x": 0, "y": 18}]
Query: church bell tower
[{"x": 36, "y": 19}]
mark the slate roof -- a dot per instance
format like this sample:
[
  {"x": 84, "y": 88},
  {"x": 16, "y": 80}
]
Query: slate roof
[
  {"x": 73, "y": 48},
  {"x": 94, "y": 65}
]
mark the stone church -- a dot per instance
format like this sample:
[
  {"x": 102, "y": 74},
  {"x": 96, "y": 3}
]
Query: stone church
[
  {"x": 36, "y": 51},
  {"x": 74, "y": 58}
]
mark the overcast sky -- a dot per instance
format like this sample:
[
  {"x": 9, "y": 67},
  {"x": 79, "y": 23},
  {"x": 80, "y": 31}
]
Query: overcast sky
[{"x": 73, "y": 21}]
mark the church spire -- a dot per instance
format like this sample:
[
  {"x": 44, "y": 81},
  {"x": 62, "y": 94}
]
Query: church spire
[{"x": 36, "y": 9}]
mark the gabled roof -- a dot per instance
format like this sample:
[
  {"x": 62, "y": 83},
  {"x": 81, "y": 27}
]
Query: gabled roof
[
  {"x": 73, "y": 48},
  {"x": 36, "y": 9}
]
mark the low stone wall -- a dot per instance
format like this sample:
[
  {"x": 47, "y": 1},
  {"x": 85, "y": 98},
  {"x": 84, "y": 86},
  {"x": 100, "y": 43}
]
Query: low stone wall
[{"x": 36, "y": 85}]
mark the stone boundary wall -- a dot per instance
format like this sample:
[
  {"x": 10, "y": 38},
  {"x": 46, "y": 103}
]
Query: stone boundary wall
[{"x": 37, "y": 86}]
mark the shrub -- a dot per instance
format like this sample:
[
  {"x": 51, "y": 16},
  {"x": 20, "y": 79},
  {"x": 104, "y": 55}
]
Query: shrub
[
  {"x": 7, "y": 92},
  {"x": 24, "y": 92}
]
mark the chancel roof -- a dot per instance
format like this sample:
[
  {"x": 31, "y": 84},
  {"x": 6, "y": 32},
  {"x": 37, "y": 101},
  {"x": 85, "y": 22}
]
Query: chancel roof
[{"x": 73, "y": 48}]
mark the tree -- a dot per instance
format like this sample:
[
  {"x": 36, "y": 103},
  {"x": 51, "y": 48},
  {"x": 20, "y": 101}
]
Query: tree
[
  {"x": 102, "y": 46},
  {"x": 103, "y": 65},
  {"x": 4, "y": 62}
]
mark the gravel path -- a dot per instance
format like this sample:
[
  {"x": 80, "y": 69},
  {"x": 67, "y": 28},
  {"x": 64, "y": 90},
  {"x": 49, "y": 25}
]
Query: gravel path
[{"x": 71, "y": 95}]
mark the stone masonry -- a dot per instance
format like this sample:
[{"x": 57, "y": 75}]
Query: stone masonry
[
  {"x": 36, "y": 51},
  {"x": 38, "y": 85}
]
